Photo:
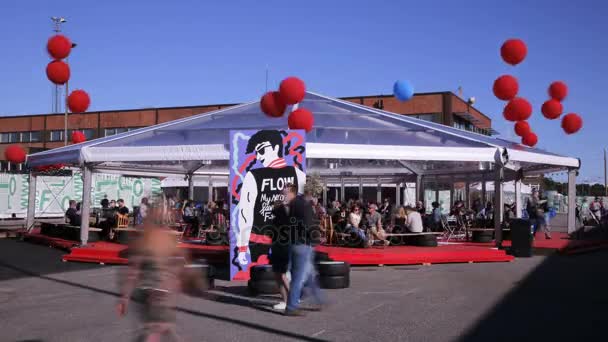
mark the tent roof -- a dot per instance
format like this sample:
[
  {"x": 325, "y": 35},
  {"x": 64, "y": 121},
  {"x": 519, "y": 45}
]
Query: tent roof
[{"x": 342, "y": 131}]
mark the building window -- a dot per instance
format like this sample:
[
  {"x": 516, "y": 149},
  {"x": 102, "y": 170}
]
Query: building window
[
  {"x": 35, "y": 136},
  {"x": 56, "y": 136},
  {"x": 427, "y": 117},
  {"x": 3, "y": 165},
  {"x": 4, "y": 138},
  {"x": 111, "y": 131}
]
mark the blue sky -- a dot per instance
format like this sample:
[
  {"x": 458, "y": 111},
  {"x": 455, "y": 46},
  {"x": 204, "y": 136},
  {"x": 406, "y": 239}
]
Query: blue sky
[{"x": 134, "y": 54}]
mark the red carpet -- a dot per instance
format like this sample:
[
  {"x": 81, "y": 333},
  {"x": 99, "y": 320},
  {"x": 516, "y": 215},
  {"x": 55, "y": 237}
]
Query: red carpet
[
  {"x": 559, "y": 243},
  {"x": 411, "y": 255},
  {"x": 452, "y": 252},
  {"x": 99, "y": 252}
]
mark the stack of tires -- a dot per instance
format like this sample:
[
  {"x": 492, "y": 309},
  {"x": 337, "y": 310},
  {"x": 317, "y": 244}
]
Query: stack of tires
[
  {"x": 334, "y": 274},
  {"x": 215, "y": 239},
  {"x": 426, "y": 240},
  {"x": 483, "y": 235},
  {"x": 262, "y": 280},
  {"x": 197, "y": 277}
]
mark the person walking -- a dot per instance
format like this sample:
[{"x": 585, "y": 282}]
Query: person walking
[
  {"x": 279, "y": 251},
  {"x": 303, "y": 237},
  {"x": 152, "y": 283}
]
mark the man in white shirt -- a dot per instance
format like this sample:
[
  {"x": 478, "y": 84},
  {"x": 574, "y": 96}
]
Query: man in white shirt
[{"x": 414, "y": 220}]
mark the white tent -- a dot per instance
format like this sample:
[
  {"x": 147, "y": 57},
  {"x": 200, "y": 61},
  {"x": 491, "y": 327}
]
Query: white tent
[{"x": 347, "y": 138}]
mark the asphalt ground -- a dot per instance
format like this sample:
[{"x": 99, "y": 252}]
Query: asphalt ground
[{"x": 544, "y": 298}]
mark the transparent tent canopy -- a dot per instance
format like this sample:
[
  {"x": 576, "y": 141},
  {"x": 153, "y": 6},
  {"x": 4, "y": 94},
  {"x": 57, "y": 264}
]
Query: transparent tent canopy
[{"x": 346, "y": 135}]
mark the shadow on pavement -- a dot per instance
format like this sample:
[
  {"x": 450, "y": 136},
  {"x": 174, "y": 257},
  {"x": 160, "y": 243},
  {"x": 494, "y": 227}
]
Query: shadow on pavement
[
  {"x": 564, "y": 298},
  {"x": 36, "y": 258},
  {"x": 237, "y": 300}
]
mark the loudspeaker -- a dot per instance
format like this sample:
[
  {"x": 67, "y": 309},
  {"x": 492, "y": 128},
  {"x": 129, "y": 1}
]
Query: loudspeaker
[{"x": 521, "y": 238}]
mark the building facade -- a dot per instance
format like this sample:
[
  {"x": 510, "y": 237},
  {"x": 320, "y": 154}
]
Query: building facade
[{"x": 40, "y": 132}]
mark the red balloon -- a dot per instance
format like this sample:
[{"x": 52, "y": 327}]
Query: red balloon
[
  {"x": 79, "y": 101},
  {"x": 513, "y": 51},
  {"x": 78, "y": 137},
  {"x": 518, "y": 109},
  {"x": 59, "y": 46},
  {"x": 58, "y": 72},
  {"x": 15, "y": 154},
  {"x": 292, "y": 90},
  {"x": 572, "y": 123},
  {"x": 522, "y": 128},
  {"x": 506, "y": 87},
  {"x": 530, "y": 139},
  {"x": 552, "y": 109},
  {"x": 301, "y": 118},
  {"x": 272, "y": 104},
  {"x": 558, "y": 90}
]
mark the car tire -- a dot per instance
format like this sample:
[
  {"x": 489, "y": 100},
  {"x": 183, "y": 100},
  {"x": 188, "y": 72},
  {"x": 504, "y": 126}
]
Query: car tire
[
  {"x": 333, "y": 268},
  {"x": 261, "y": 287},
  {"x": 261, "y": 273},
  {"x": 334, "y": 282}
]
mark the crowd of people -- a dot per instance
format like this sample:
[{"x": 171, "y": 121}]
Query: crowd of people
[{"x": 210, "y": 214}]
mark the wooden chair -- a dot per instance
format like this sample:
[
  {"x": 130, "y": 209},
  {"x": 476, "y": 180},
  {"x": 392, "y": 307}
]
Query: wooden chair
[{"x": 122, "y": 221}]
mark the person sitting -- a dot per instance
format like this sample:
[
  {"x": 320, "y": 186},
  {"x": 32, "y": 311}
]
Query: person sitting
[
  {"x": 189, "y": 217},
  {"x": 414, "y": 220},
  {"x": 374, "y": 224},
  {"x": 420, "y": 208},
  {"x": 386, "y": 210},
  {"x": 436, "y": 217},
  {"x": 340, "y": 219},
  {"x": 122, "y": 208},
  {"x": 353, "y": 226},
  {"x": 399, "y": 221},
  {"x": 71, "y": 215}
]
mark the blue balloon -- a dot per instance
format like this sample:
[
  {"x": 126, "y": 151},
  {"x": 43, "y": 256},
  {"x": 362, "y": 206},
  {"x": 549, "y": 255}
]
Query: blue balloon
[{"x": 403, "y": 90}]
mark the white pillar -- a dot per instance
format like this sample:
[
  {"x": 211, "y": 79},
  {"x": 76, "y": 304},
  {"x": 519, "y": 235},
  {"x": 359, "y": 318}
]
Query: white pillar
[
  {"x": 398, "y": 195},
  {"x": 342, "y": 193},
  {"x": 379, "y": 191},
  {"x": 31, "y": 203},
  {"x": 498, "y": 206},
  {"x": 518, "y": 199},
  {"x": 85, "y": 207},
  {"x": 419, "y": 193},
  {"x": 190, "y": 187},
  {"x": 572, "y": 200},
  {"x": 361, "y": 188},
  {"x": 467, "y": 199},
  {"x": 210, "y": 190},
  {"x": 325, "y": 193},
  {"x": 483, "y": 190}
]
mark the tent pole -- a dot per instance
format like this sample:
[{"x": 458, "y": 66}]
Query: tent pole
[
  {"x": 483, "y": 190},
  {"x": 572, "y": 173},
  {"x": 85, "y": 207},
  {"x": 379, "y": 191},
  {"x": 325, "y": 193},
  {"x": 498, "y": 206},
  {"x": 398, "y": 194},
  {"x": 361, "y": 188},
  {"x": 190, "y": 187},
  {"x": 342, "y": 189},
  {"x": 211, "y": 189},
  {"x": 31, "y": 203},
  {"x": 419, "y": 193},
  {"x": 518, "y": 199}
]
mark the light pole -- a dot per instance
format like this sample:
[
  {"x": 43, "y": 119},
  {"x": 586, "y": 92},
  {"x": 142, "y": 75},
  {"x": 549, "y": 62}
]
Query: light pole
[{"x": 605, "y": 171}]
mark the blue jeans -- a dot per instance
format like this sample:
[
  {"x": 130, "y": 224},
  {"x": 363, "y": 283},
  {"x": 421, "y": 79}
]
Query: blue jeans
[
  {"x": 302, "y": 275},
  {"x": 358, "y": 231}
]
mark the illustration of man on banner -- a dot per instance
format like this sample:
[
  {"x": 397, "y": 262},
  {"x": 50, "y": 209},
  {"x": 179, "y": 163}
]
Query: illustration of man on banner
[{"x": 261, "y": 188}]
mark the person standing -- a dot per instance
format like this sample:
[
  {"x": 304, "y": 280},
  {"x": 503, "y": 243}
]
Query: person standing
[
  {"x": 303, "y": 237},
  {"x": 537, "y": 214},
  {"x": 279, "y": 251}
]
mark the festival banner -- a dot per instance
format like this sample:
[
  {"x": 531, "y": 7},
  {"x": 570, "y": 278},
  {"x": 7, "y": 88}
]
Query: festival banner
[
  {"x": 53, "y": 193},
  {"x": 262, "y": 163}
]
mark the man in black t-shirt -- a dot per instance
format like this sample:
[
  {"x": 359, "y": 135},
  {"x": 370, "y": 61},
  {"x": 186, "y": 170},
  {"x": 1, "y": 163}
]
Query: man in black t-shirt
[
  {"x": 71, "y": 215},
  {"x": 122, "y": 209}
]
